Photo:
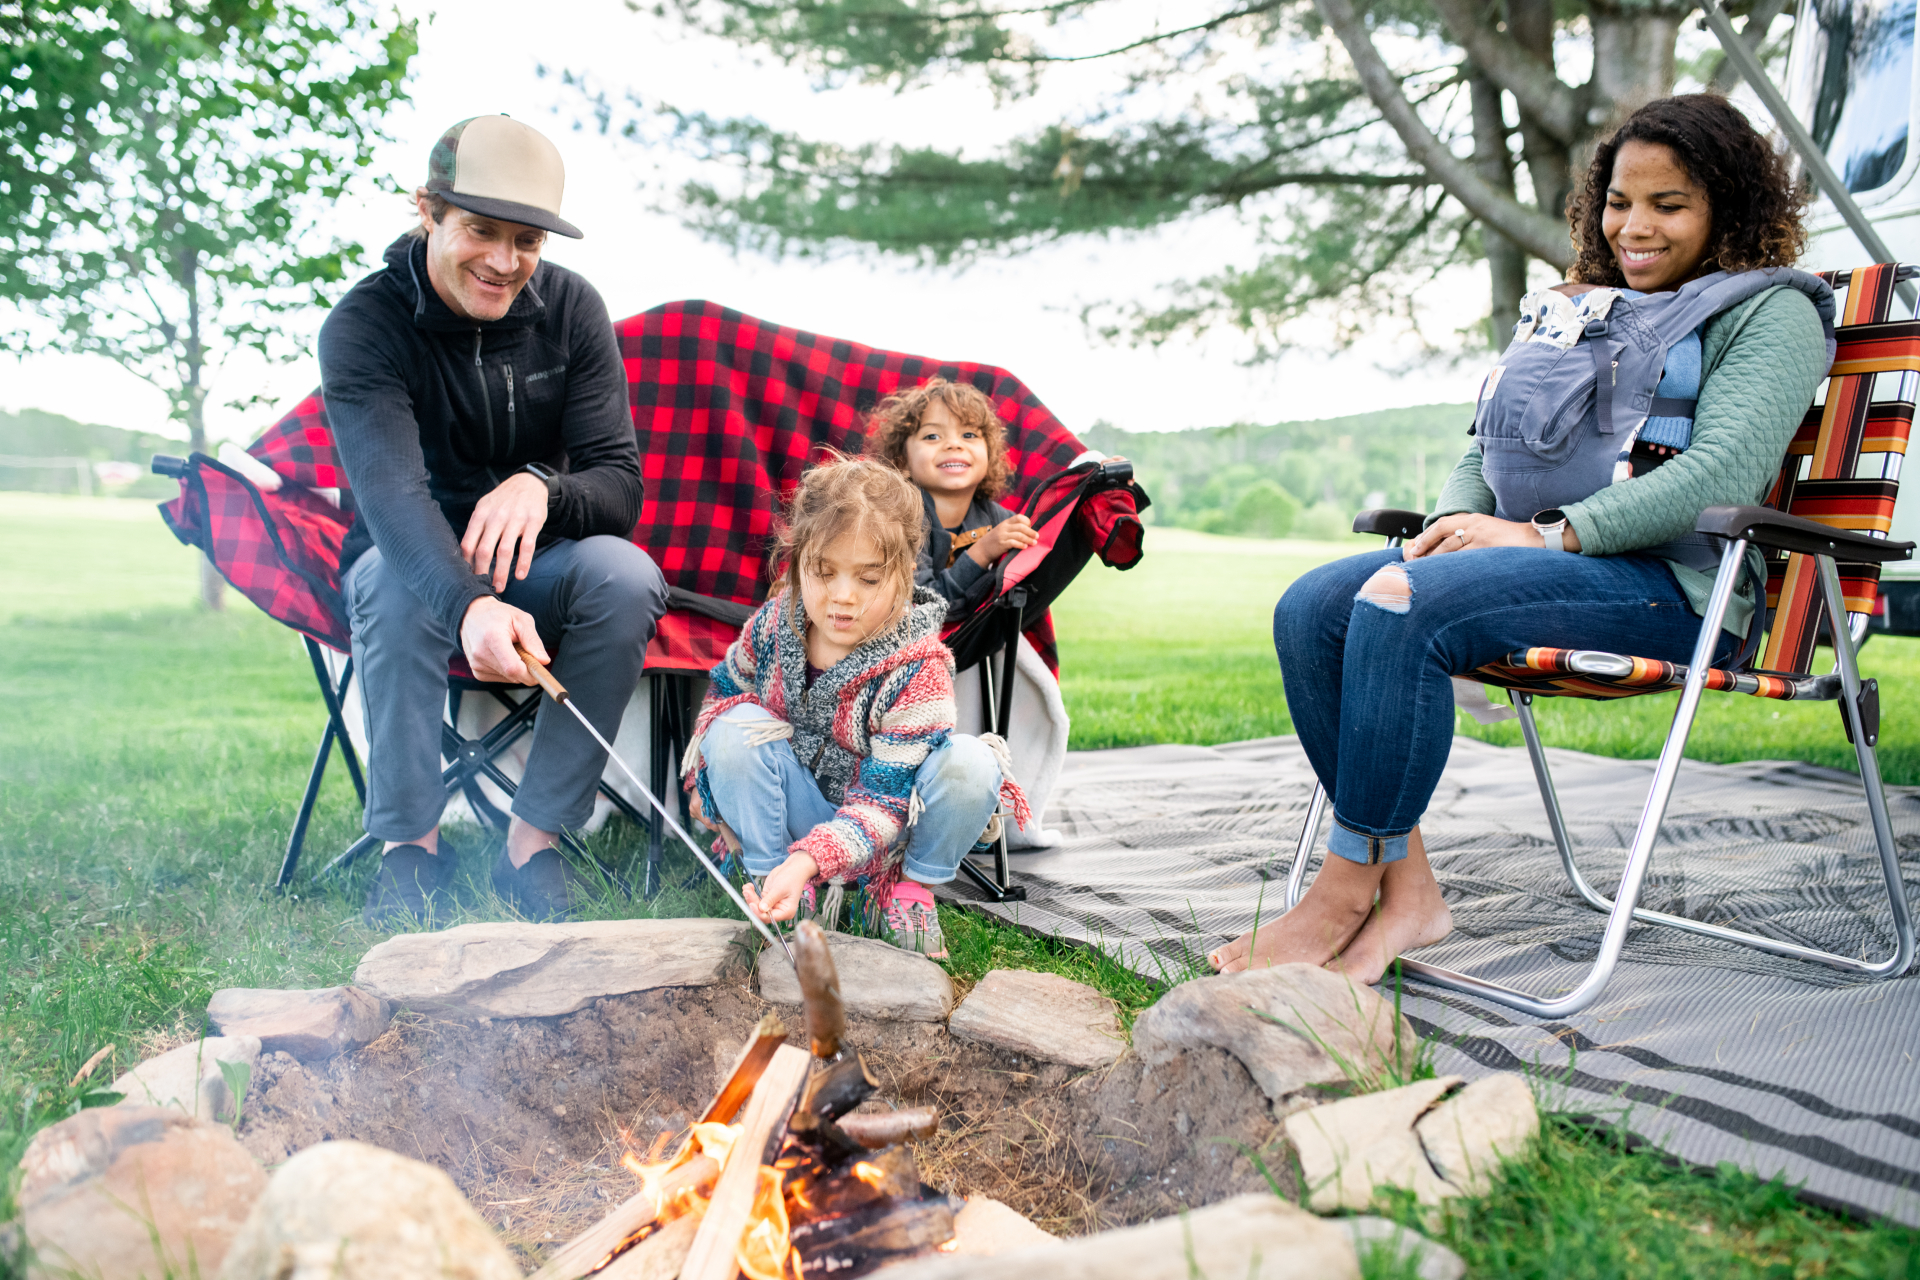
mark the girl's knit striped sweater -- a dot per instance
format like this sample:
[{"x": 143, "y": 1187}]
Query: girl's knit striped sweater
[{"x": 863, "y": 730}]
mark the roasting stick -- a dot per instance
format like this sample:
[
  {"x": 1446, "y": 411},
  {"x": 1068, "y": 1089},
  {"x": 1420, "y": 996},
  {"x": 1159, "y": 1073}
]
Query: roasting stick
[{"x": 558, "y": 692}]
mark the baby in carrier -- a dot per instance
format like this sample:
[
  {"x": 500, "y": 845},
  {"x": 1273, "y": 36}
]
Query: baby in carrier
[
  {"x": 827, "y": 730},
  {"x": 946, "y": 438}
]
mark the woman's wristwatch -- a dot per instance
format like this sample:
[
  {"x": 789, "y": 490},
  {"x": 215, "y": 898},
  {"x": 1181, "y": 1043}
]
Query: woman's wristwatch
[{"x": 1551, "y": 525}]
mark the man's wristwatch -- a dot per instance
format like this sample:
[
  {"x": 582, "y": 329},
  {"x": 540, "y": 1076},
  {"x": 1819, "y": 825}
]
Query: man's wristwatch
[
  {"x": 546, "y": 473},
  {"x": 1551, "y": 525}
]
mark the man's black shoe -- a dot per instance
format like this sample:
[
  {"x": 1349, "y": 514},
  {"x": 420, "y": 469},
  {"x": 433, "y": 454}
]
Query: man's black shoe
[
  {"x": 412, "y": 887},
  {"x": 544, "y": 889}
]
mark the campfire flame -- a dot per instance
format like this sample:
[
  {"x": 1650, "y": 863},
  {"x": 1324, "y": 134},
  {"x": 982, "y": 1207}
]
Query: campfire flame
[
  {"x": 709, "y": 1139},
  {"x": 766, "y": 1251}
]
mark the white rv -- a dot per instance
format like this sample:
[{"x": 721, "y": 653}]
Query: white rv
[{"x": 1851, "y": 79}]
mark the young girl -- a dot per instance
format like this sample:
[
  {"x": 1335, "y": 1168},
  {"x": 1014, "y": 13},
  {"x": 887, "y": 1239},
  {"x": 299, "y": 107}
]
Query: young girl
[
  {"x": 946, "y": 438},
  {"x": 827, "y": 730}
]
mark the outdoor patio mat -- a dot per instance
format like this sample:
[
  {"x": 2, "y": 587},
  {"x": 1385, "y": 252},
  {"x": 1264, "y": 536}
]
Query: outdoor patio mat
[{"x": 1714, "y": 1052}]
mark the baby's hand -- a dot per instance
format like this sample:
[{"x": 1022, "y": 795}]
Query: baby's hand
[
  {"x": 1015, "y": 532},
  {"x": 782, "y": 895}
]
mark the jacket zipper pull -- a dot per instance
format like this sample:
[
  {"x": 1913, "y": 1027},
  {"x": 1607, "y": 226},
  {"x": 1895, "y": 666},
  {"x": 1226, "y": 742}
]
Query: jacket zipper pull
[{"x": 509, "y": 389}]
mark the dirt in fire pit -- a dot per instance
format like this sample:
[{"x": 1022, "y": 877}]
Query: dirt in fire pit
[{"x": 531, "y": 1116}]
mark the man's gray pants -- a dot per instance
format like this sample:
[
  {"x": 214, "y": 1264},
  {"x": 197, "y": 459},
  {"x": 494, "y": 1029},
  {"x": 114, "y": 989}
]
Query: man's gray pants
[{"x": 595, "y": 601}]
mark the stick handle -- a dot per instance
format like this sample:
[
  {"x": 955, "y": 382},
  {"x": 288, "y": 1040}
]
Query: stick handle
[{"x": 542, "y": 676}]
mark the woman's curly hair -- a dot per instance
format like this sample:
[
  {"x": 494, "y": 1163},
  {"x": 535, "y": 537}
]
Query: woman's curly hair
[
  {"x": 1752, "y": 198},
  {"x": 897, "y": 417}
]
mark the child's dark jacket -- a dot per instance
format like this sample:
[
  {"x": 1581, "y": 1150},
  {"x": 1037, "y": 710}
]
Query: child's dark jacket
[{"x": 966, "y": 584}]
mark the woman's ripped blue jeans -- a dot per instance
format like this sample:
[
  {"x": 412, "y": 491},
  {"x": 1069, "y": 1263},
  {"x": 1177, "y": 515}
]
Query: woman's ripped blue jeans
[{"x": 1368, "y": 676}]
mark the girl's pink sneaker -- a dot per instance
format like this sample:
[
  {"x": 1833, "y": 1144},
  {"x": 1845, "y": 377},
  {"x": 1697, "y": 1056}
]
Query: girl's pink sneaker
[{"x": 911, "y": 922}]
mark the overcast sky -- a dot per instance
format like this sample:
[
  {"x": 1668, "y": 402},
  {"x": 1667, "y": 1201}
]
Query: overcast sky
[{"x": 1021, "y": 312}]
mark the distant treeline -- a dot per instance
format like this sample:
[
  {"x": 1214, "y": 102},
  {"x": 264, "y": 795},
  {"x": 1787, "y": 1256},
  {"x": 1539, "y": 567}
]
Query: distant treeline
[
  {"x": 35, "y": 433},
  {"x": 1293, "y": 479}
]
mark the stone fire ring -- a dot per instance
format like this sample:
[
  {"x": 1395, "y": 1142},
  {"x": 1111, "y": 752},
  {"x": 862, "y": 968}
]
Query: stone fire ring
[{"x": 103, "y": 1189}]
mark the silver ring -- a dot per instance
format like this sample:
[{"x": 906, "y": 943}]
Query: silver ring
[{"x": 1460, "y": 533}]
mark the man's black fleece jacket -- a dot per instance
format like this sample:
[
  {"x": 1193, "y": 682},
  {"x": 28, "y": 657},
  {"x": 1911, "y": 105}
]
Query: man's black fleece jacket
[{"x": 431, "y": 412}]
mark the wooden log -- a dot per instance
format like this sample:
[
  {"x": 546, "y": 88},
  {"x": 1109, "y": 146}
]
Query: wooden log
[
  {"x": 899, "y": 1172},
  {"x": 753, "y": 1059},
  {"x": 819, "y": 989},
  {"x": 585, "y": 1251},
  {"x": 712, "y": 1254},
  {"x": 876, "y": 1129},
  {"x": 834, "y": 1092},
  {"x": 856, "y": 1243},
  {"x": 659, "y": 1257}
]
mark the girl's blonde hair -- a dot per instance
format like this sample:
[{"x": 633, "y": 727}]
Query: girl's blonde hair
[
  {"x": 896, "y": 419},
  {"x": 861, "y": 496}
]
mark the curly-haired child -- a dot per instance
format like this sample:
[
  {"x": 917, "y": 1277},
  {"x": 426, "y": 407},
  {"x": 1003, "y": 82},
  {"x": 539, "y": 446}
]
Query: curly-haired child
[
  {"x": 827, "y": 734},
  {"x": 946, "y": 438}
]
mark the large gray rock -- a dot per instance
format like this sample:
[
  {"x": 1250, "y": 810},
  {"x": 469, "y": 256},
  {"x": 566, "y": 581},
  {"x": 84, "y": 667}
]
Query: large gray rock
[
  {"x": 122, "y": 1192},
  {"x": 350, "y": 1211},
  {"x": 1374, "y": 1236},
  {"x": 877, "y": 980},
  {"x": 188, "y": 1078},
  {"x": 513, "y": 970},
  {"x": 1309, "y": 1011},
  {"x": 1042, "y": 1015},
  {"x": 1352, "y": 1147},
  {"x": 1467, "y": 1136},
  {"x": 985, "y": 1228},
  {"x": 308, "y": 1025},
  {"x": 1254, "y": 1235}
]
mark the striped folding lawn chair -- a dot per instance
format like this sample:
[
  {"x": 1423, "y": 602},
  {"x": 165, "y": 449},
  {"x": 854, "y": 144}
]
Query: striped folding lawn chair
[
  {"x": 728, "y": 411},
  {"x": 1824, "y": 532}
]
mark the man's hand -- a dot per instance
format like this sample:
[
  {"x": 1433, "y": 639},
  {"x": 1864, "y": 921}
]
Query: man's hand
[
  {"x": 503, "y": 528},
  {"x": 782, "y": 896},
  {"x": 488, "y": 634},
  {"x": 1477, "y": 532},
  {"x": 1014, "y": 531}
]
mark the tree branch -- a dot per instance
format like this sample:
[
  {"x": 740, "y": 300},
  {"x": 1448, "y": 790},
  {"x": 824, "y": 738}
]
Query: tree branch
[
  {"x": 1553, "y": 103},
  {"x": 1539, "y": 235},
  {"x": 1210, "y": 24}
]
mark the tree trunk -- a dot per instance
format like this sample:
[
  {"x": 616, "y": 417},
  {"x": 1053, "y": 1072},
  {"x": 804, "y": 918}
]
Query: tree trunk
[
  {"x": 1506, "y": 261},
  {"x": 213, "y": 588},
  {"x": 1549, "y": 163},
  {"x": 1632, "y": 57}
]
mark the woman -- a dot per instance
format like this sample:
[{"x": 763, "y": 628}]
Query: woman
[{"x": 1367, "y": 644}]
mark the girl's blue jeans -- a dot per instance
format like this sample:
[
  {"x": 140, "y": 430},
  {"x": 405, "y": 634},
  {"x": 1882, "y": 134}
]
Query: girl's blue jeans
[
  {"x": 770, "y": 800},
  {"x": 1369, "y": 687}
]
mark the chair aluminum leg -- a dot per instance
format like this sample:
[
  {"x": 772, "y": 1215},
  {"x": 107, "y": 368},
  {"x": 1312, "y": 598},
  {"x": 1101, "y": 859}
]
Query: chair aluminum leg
[{"x": 335, "y": 734}]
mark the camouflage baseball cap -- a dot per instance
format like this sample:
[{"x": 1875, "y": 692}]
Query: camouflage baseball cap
[{"x": 499, "y": 168}]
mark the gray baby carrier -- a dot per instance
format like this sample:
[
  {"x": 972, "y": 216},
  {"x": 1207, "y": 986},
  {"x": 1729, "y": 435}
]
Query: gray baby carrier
[{"x": 1559, "y": 415}]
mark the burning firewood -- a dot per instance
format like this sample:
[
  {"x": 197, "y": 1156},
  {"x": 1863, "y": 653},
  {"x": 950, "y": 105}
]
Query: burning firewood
[
  {"x": 767, "y": 1037},
  {"x": 589, "y": 1252},
  {"x": 715, "y": 1246},
  {"x": 877, "y": 1129},
  {"x": 819, "y": 989}
]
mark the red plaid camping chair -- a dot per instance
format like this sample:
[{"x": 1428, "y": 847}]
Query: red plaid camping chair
[
  {"x": 1824, "y": 531},
  {"x": 728, "y": 411},
  {"x": 277, "y": 541}
]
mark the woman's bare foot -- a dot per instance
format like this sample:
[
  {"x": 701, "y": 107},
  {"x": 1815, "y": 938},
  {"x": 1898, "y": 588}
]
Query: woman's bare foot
[
  {"x": 1411, "y": 914},
  {"x": 1331, "y": 913}
]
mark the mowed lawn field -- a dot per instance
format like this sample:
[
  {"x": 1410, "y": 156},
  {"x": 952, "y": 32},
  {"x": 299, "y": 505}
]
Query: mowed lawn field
[{"x": 151, "y": 758}]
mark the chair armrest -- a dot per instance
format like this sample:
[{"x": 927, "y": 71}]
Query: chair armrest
[
  {"x": 1778, "y": 531},
  {"x": 1389, "y": 523}
]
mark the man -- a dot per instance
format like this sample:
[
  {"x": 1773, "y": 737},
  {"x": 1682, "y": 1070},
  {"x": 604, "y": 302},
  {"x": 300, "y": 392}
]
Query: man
[{"x": 479, "y": 405}]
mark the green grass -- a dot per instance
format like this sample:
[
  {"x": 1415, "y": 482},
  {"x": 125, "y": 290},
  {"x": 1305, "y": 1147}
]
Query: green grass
[
  {"x": 153, "y": 754},
  {"x": 1586, "y": 1204}
]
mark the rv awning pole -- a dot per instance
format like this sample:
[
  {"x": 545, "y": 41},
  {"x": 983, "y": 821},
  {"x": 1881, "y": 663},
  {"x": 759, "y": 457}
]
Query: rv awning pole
[{"x": 1815, "y": 159}]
